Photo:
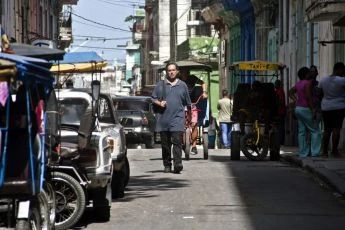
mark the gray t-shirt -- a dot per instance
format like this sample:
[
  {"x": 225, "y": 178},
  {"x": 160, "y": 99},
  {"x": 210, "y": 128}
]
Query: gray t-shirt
[
  {"x": 333, "y": 88},
  {"x": 225, "y": 110},
  {"x": 177, "y": 98}
]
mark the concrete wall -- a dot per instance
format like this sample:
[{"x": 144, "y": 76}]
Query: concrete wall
[{"x": 164, "y": 30}]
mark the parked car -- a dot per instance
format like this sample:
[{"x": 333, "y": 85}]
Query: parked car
[
  {"x": 138, "y": 119},
  {"x": 112, "y": 162}
]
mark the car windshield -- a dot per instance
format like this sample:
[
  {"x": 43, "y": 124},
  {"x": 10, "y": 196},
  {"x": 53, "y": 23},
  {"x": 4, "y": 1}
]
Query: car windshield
[
  {"x": 131, "y": 105},
  {"x": 71, "y": 110}
]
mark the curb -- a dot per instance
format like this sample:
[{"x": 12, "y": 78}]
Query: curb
[{"x": 329, "y": 177}]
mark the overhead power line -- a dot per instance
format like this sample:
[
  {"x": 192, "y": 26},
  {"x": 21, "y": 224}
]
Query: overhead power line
[
  {"x": 94, "y": 38},
  {"x": 98, "y": 47},
  {"x": 101, "y": 24}
]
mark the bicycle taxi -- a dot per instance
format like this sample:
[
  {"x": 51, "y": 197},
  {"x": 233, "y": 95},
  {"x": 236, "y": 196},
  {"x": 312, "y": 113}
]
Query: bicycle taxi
[
  {"x": 27, "y": 198},
  {"x": 255, "y": 110},
  {"x": 200, "y": 106}
]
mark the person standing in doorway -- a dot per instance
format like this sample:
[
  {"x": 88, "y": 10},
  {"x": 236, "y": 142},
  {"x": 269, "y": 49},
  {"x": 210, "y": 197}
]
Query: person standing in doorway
[
  {"x": 171, "y": 122},
  {"x": 305, "y": 114},
  {"x": 225, "y": 109},
  {"x": 333, "y": 107}
]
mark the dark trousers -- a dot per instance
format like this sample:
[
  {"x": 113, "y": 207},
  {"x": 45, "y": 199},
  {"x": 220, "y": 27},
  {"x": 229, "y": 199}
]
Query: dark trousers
[{"x": 174, "y": 140}]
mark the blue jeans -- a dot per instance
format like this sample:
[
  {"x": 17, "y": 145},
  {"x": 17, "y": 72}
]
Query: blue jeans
[
  {"x": 226, "y": 128},
  {"x": 305, "y": 121}
]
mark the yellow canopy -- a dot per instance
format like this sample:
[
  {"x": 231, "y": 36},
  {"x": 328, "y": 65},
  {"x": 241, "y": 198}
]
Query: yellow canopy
[
  {"x": 78, "y": 67},
  {"x": 257, "y": 65}
]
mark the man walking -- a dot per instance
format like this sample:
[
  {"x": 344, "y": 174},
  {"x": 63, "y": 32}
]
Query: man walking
[
  {"x": 224, "y": 107},
  {"x": 171, "y": 121}
]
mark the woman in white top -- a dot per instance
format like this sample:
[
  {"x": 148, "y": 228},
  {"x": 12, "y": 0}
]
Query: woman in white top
[{"x": 333, "y": 107}]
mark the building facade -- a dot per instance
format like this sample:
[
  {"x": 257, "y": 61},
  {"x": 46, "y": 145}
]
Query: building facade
[{"x": 28, "y": 20}]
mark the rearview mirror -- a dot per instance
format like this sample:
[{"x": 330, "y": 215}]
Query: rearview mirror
[{"x": 96, "y": 89}]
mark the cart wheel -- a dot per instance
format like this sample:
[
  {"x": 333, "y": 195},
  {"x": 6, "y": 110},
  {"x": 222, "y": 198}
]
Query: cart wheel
[
  {"x": 235, "y": 154},
  {"x": 251, "y": 150},
  {"x": 44, "y": 208},
  {"x": 187, "y": 143},
  {"x": 205, "y": 145},
  {"x": 274, "y": 146}
]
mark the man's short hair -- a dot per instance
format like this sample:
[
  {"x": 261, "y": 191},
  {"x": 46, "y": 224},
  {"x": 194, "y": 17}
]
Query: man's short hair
[{"x": 171, "y": 63}]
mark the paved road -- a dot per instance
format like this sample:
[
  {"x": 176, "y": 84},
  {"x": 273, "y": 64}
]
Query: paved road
[{"x": 221, "y": 194}]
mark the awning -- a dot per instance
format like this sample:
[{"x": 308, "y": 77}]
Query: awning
[
  {"x": 81, "y": 57},
  {"x": 37, "y": 51},
  {"x": 79, "y": 62},
  {"x": 78, "y": 67}
]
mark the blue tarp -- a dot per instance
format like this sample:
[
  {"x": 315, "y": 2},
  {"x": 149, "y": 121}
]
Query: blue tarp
[
  {"x": 81, "y": 57},
  {"x": 30, "y": 67}
]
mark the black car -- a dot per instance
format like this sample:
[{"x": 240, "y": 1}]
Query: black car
[{"x": 137, "y": 117}]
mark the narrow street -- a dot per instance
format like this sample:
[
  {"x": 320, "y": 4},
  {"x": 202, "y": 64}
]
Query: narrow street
[{"x": 221, "y": 194}]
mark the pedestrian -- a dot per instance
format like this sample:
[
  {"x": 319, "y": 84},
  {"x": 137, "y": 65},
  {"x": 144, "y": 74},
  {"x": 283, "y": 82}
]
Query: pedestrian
[
  {"x": 280, "y": 94},
  {"x": 305, "y": 114},
  {"x": 171, "y": 122},
  {"x": 316, "y": 99},
  {"x": 225, "y": 109},
  {"x": 213, "y": 128},
  {"x": 333, "y": 107},
  {"x": 191, "y": 81}
]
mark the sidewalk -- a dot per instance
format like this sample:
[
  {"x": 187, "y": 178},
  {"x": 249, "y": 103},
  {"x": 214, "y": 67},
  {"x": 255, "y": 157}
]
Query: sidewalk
[{"x": 330, "y": 170}]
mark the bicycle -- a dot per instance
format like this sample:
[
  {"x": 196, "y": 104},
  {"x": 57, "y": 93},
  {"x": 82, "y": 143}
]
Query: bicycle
[{"x": 202, "y": 137}]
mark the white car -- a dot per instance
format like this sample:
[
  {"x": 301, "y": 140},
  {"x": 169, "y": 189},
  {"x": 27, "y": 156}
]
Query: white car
[{"x": 111, "y": 164}]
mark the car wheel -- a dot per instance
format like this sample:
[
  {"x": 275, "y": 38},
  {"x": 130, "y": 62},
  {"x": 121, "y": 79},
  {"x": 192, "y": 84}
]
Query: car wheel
[
  {"x": 127, "y": 172},
  {"x": 102, "y": 198},
  {"x": 120, "y": 180}
]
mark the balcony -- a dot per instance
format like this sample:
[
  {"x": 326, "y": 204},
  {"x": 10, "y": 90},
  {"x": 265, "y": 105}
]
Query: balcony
[{"x": 326, "y": 10}]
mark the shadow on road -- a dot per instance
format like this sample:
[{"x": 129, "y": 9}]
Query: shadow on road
[{"x": 145, "y": 186}]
